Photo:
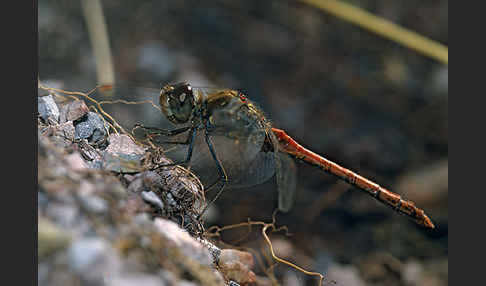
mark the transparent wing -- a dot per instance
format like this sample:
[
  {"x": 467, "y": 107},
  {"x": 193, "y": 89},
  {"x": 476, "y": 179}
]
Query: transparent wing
[
  {"x": 130, "y": 105},
  {"x": 258, "y": 171},
  {"x": 286, "y": 181},
  {"x": 242, "y": 160}
]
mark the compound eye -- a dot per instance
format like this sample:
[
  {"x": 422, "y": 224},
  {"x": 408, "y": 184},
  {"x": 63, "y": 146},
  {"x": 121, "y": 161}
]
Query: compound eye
[{"x": 182, "y": 97}]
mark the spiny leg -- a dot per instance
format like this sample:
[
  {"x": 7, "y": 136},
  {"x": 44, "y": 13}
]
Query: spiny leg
[
  {"x": 165, "y": 132},
  {"x": 190, "y": 142},
  {"x": 168, "y": 133},
  {"x": 222, "y": 173}
]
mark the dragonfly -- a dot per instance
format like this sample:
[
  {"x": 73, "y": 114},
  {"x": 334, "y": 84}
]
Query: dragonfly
[{"x": 228, "y": 142}]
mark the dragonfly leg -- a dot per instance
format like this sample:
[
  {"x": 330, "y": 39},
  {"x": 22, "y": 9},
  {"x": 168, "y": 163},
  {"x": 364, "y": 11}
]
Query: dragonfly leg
[
  {"x": 165, "y": 132},
  {"x": 190, "y": 142},
  {"x": 223, "y": 177},
  {"x": 160, "y": 131}
]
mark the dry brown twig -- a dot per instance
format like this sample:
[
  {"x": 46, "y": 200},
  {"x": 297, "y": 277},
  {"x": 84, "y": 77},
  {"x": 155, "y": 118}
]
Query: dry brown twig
[
  {"x": 215, "y": 231},
  {"x": 99, "y": 109}
]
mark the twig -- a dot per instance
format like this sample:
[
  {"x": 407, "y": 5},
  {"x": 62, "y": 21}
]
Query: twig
[
  {"x": 215, "y": 231},
  {"x": 384, "y": 28},
  {"x": 93, "y": 13}
]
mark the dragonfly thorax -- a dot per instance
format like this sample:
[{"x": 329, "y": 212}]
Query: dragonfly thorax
[{"x": 178, "y": 102}]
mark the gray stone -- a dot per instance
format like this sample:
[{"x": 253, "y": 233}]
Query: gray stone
[
  {"x": 97, "y": 165},
  {"x": 122, "y": 162},
  {"x": 73, "y": 111},
  {"x": 83, "y": 254},
  {"x": 94, "y": 260},
  {"x": 76, "y": 162},
  {"x": 189, "y": 246},
  {"x": 50, "y": 237},
  {"x": 91, "y": 127},
  {"x": 153, "y": 199},
  {"x": 48, "y": 109},
  {"x": 94, "y": 204},
  {"x": 135, "y": 279},
  {"x": 63, "y": 214},
  {"x": 122, "y": 144}
]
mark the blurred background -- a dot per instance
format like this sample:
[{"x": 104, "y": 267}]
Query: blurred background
[{"x": 365, "y": 102}]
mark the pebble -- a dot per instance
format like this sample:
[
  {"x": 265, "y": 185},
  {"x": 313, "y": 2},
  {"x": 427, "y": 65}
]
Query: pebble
[
  {"x": 61, "y": 133},
  {"x": 236, "y": 265},
  {"x": 76, "y": 162},
  {"x": 142, "y": 219},
  {"x": 94, "y": 204},
  {"x": 122, "y": 162},
  {"x": 84, "y": 254},
  {"x": 186, "y": 243},
  {"x": 151, "y": 198},
  {"x": 91, "y": 127},
  {"x": 73, "y": 110},
  {"x": 48, "y": 109},
  {"x": 51, "y": 238},
  {"x": 63, "y": 214},
  {"x": 121, "y": 143},
  {"x": 135, "y": 279},
  {"x": 96, "y": 165},
  {"x": 412, "y": 272}
]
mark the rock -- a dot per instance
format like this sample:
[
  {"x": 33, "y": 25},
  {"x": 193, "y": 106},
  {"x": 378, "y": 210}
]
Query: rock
[
  {"x": 189, "y": 252},
  {"x": 73, "y": 111},
  {"x": 92, "y": 258},
  {"x": 91, "y": 127},
  {"x": 50, "y": 238},
  {"x": 125, "y": 243},
  {"x": 185, "y": 243},
  {"x": 236, "y": 266},
  {"x": 48, "y": 109},
  {"x": 94, "y": 204},
  {"x": 412, "y": 272},
  {"x": 61, "y": 134},
  {"x": 151, "y": 198},
  {"x": 123, "y": 144},
  {"x": 76, "y": 162},
  {"x": 97, "y": 165},
  {"x": 122, "y": 163},
  {"x": 90, "y": 153},
  {"x": 135, "y": 279},
  {"x": 63, "y": 215},
  {"x": 122, "y": 154}
]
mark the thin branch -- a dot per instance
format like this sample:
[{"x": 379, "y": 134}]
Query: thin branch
[
  {"x": 93, "y": 13},
  {"x": 384, "y": 28}
]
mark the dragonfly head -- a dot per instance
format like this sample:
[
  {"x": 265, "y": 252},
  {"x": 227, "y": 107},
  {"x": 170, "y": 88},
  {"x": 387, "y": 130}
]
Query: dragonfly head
[{"x": 177, "y": 102}]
